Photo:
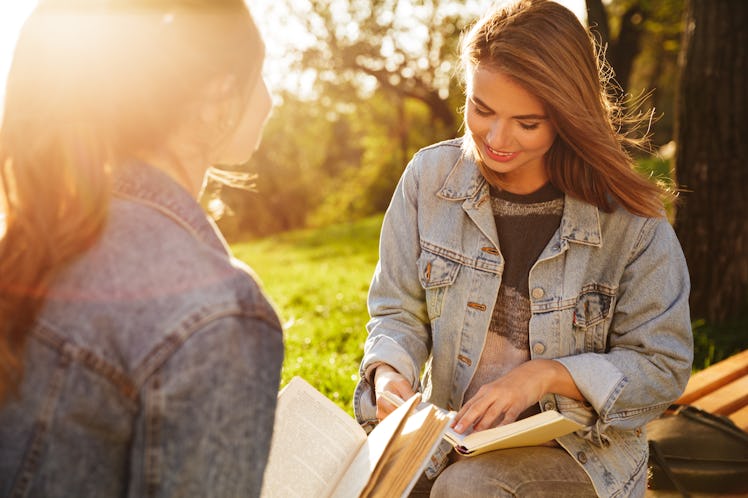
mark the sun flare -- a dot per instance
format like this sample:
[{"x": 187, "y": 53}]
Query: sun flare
[{"x": 12, "y": 15}]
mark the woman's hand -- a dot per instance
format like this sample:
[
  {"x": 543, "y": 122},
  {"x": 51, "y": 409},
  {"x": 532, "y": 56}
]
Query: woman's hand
[
  {"x": 387, "y": 378},
  {"x": 503, "y": 400}
]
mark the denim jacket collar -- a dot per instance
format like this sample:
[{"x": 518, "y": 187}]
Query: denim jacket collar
[
  {"x": 580, "y": 222},
  {"x": 139, "y": 182},
  {"x": 464, "y": 181}
]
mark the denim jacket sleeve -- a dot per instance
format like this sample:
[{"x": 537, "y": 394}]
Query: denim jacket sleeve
[
  {"x": 650, "y": 344},
  {"x": 208, "y": 412},
  {"x": 399, "y": 329}
]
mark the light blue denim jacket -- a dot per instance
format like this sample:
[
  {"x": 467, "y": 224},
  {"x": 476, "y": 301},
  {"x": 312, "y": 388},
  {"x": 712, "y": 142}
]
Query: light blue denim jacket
[
  {"x": 609, "y": 300},
  {"x": 153, "y": 368}
]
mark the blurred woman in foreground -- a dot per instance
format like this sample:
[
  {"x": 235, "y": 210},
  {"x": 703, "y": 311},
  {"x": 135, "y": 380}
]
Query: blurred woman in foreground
[{"x": 137, "y": 357}]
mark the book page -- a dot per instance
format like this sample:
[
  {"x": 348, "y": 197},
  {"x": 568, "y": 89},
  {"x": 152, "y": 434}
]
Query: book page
[
  {"x": 361, "y": 468},
  {"x": 408, "y": 453},
  {"x": 530, "y": 431},
  {"x": 314, "y": 440}
]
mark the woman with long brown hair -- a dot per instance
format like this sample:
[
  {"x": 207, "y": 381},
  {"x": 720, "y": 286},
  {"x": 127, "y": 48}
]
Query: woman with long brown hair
[
  {"x": 528, "y": 267},
  {"x": 137, "y": 357}
]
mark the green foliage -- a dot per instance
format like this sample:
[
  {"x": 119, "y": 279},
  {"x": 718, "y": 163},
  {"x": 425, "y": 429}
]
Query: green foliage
[
  {"x": 304, "y": 149},
  {"x": 337, "y": 162},
  {"x": 714, "y": 343},
  {"x": 387, "y": 132},
  {"x": 319, "y": 279},
  {"x": 379, "y": 83},
  {"x": 659, "y": 168}
]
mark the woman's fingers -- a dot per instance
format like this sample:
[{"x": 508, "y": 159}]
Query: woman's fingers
[
  {"x": 496, "y": 403},
  {"x": 388, "y": 379}
]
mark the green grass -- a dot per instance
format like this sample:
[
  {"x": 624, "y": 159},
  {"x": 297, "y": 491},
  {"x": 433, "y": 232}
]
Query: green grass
[{"x": 318, "y": 279}]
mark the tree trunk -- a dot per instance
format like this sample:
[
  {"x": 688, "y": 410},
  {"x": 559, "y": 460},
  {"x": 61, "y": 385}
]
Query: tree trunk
[
  {"x": 597, "y": 18},
  {"x": 620, "y": 51},
  {"x": 712, "y": 157}
]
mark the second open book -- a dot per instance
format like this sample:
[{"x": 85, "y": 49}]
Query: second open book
[{"x": 318, "y": 450}]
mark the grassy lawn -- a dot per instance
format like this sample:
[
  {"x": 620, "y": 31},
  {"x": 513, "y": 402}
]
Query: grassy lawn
[{"x": 319, "y": 279}]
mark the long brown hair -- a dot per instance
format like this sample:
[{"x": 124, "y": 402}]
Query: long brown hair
[
  {"x": 543, "y": 47},
  {"x": 91, "y": 84}
]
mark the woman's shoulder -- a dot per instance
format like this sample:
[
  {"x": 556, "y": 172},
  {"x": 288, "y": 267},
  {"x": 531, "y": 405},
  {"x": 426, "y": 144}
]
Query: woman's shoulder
[
  {"x": 447, "y": 151},
  {"x": 619, "y": 216},
  {"x": 148, "y": 277},
  {"x": 638, "y": 232},
  {"x": 436, "y": 162}
]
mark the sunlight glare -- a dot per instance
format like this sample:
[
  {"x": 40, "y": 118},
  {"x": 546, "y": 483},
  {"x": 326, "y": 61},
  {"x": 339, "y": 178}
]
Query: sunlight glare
[
  {"x": 281, "y": 31},
  {"x": 12, "y": 15}
]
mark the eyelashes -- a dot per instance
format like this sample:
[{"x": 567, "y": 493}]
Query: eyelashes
[
  {"x": 482, "y": 112},
  {"x": 524, "y": 126}
]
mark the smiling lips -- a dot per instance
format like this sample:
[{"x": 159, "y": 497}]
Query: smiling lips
[{"x": 501, "y": 157}]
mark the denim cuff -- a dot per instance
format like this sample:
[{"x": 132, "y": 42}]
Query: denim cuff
[{"x": 599, "y": 380}]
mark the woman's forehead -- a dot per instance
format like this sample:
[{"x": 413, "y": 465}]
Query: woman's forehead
[{"x": 496, "y": 88}]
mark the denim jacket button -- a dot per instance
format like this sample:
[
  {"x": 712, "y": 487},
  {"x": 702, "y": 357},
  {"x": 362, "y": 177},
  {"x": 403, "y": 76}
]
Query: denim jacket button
[
  {"x": 548, "y": 406},
  {"x": 537, "y": 293},
  {"x": 582, "y": 457},
  {"x": 538, "y": 348}
]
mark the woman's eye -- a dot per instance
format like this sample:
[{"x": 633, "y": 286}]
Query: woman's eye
[
  {"x": 529, "y": 126},
  {"x": 482, "y": 112}
]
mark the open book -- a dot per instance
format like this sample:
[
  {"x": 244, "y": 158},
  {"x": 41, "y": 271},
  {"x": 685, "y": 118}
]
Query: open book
[
  {"x": 531, "y": 431},
  {"x": 318, "y": 450}
]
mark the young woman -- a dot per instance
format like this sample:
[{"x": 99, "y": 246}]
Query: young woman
[
  {"x": 527, "y": 267},
  {"x": 137, "y": 358}
]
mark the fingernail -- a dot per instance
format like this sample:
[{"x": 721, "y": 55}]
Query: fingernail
[{"x": 458, "y": 427}]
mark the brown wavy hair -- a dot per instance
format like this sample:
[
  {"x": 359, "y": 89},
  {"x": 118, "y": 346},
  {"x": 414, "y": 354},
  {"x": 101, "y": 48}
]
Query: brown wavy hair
[
  {"x": 544, "y": 47},
  {"x": 91, "y": 84}
]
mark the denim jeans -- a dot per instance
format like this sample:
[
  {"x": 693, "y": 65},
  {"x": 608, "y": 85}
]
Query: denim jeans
[{"x": 539, "y": 471}]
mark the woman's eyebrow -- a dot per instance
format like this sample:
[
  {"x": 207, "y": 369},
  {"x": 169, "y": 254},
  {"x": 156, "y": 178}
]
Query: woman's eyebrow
[
  {"x": 531, "y": 116},
  {"x": 521, "y": 116}
]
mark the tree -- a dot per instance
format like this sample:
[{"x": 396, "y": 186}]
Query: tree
[
  {"x": 383, "y": 85},
  {"x": 642, "y": 39},
  {"x": 622, "y": 49},
  {"x": 407, "y": 48},
  {"x": 301, "y": 153},
  {"x": 712, "y": 157}
]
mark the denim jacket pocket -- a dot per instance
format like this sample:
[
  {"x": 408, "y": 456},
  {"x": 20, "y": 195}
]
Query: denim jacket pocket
[
  {"x": 591, "y": 317},
  {"x": 436, "y": 274}
]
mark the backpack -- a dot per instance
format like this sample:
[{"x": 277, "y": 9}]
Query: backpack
[{"x": 691, "y": 450}]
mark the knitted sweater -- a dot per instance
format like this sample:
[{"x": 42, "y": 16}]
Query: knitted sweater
[{"x": 524, "y": 223}]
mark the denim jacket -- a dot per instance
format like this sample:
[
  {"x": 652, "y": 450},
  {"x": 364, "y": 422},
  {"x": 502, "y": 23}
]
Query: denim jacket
[
  {"x": 609, "y": 300},
  {"x": 152, "y": 369}
]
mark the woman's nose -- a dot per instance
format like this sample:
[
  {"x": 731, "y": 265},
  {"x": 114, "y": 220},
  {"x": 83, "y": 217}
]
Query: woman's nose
[{"x": 497, "y": 134}]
